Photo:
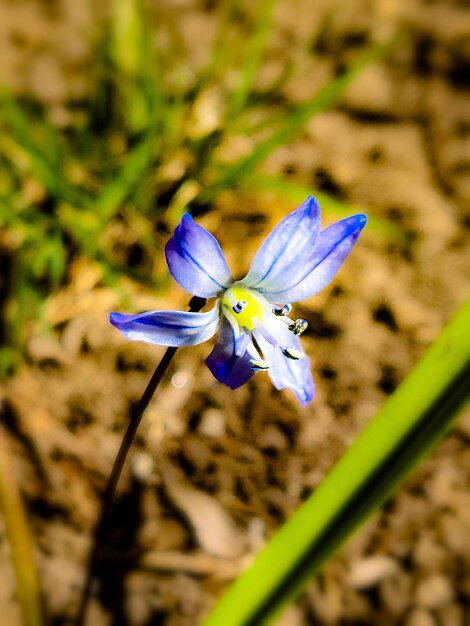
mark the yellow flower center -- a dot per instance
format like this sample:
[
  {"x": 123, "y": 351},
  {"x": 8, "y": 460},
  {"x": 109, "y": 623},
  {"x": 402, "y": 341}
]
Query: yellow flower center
[{"x": 244, "y": 306}]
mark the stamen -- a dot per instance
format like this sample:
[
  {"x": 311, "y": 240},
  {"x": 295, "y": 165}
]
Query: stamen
[
  {"x": 282, "y": 310},
  {"x": 241, "y": 304},
  {"x": 292, "y": 353},
  {"x": 259, "y": 365},
  {"x": 241, "y": 344},
  {"x": 299, "y": 326},
  {"x": 257, "y": 346}
]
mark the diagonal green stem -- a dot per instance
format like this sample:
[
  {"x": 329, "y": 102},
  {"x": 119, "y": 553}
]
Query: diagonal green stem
[
  {"x": 293, "y": 123},
  {"x": 196, "y": 305},
  {"x": 19, "y": 538},
  {"x": 413, "y": 419},
  {"x": 253, "y": 55}
]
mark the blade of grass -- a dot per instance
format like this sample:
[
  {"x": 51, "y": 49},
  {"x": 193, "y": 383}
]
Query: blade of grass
[
  {"x": 293, "y": 123},
  {"x": 408, "y": 425},
  {"x": 253, "y": 55},
  {"x": 297, "y": 193},
  {"x": 19, "y": 538},
  {"x": 222, "y": 49},
  {"x": 131, "y": 52},
  {"x": 48, "y": 170},
  {"x": 121, "y": 185}
]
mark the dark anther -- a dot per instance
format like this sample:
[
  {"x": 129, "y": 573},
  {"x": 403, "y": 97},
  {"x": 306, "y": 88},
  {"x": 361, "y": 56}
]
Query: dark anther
[
  {"x": 282, "y": 310},
  {"x": 292, "y": 353},
  {"x": 238, "y": 308},
  {"x": 299, "y": 326}
]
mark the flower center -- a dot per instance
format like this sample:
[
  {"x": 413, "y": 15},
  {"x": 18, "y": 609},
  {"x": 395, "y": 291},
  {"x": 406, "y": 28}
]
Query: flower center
[{"x": 244, "y": 306}]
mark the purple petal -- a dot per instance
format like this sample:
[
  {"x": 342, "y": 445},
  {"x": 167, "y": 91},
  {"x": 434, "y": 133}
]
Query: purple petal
[
  {"x": 308, "y": 275},
  {"x": 229, "y": 369},
  {"x": 168, "y": 328},
  {"x": 196, "y": 261},
  {"x": 289, "y": 244},
  {"x": 287, "y": 373}
]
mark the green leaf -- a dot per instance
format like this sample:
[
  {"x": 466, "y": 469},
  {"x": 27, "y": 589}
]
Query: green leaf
[
  {"x": 19, "y": 538},
  {"x": 121, "y": 185},
  {"x": 131, "y": 54},
  {"x": 253, "y": 55},
  {"x": 293, "y": 123},
  {"x": 408, "y": 425},
  {"x": 46, "y": 164},
  {"x": 57, "y": 259},
  {"x": 223, "y": 47}
]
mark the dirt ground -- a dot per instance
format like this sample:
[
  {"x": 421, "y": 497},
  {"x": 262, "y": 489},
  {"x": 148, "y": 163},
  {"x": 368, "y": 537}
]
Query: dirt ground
[{"x": 213, "y": 472}]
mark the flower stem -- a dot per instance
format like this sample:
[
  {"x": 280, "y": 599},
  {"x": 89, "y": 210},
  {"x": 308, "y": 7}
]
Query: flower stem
[{"x": 195, "y": 305}]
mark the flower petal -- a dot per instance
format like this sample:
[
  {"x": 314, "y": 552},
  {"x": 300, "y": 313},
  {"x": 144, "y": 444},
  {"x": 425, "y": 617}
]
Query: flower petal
[
  {"x": 309, "y": 275},
  {"x": 241, "y": 344},
  {"x": 168, "y": 328},
  {"x": 196, "y": 261},
  {"x": 289, "y": 244},
  {"x": 287, "y": 373},
  {"x": 229, "y": 369}
]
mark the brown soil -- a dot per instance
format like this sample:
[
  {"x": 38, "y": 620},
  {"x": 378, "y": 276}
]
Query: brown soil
[{"x": 214, "y": 472}]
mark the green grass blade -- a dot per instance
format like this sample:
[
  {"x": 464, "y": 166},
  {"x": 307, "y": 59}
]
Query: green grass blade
[
  {"x": 293, "y": 123},
  {"x": 19, "y": 538},
  {"x": 46, "y": 166},
  {"x": 297, "y": 193},
  {"x": 253, "y": 55},
  {"x": 124, "y": 181},
  {"x": 131, "y": 52},
  {"x": 222, "y": 49},
  {"x": 413, "y": 419}
]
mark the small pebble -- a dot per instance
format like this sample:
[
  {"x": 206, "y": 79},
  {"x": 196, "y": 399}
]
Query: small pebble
[
  {"x": 451, "y": 615},
  {"x": 256, "y": 534},
  {"x": 142, "y": 466},
  {"x": 368, "y": 572},
  {"x": 434, "y": 591},
  {"x": 291, "y": 616},
  {"x": 420, "y": 617},
  {"x": 429, "y": 554},
  {"x": 273, "y": 438},
  {"x": 212, "y": 423},
  {"x": 396, "y": 593}
]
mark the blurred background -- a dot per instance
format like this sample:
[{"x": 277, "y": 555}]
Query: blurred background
[{"x": 115, "y": 118}]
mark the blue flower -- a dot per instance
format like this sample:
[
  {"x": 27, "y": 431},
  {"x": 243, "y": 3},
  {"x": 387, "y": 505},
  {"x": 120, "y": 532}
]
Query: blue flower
[{"x": 255, "y": 331}]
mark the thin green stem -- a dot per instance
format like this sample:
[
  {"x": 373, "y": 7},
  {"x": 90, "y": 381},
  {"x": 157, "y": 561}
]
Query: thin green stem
[
  {"x": 253, "y": 55},
  {"x": 19, "y": 538},
  {"x": 196, "y": 305}
]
